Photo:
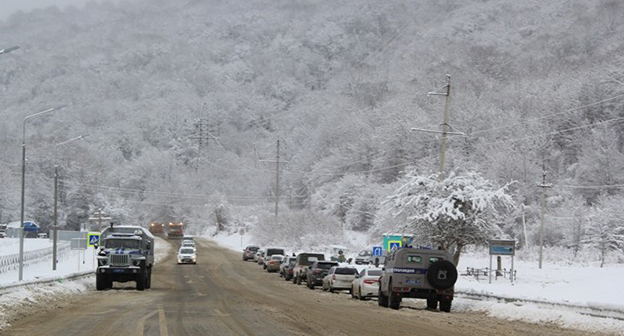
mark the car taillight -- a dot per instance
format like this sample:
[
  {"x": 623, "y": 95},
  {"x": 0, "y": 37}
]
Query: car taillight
[
  {"x": 272, "y": 262},
  {"x": 290, "y": 271},
  {"x": 370, "y": 281},
  {"x": 334, "y": 277},
  {"x": 318, "y": 271}
]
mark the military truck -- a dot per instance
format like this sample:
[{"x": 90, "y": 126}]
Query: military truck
[
  {"x": 418, "y": 273},
  {"x": 126, "y": 253}
]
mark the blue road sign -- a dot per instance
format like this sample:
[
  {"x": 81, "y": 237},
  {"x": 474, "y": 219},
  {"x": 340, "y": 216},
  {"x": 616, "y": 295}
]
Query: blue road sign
[
  {"x": 395, "y": 246},
  {"x": 377, "y": 250},
  {"x": 93, "y": 238}
]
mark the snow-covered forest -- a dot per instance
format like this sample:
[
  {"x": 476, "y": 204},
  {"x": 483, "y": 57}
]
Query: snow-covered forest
[{"x": 183, "y": 102}]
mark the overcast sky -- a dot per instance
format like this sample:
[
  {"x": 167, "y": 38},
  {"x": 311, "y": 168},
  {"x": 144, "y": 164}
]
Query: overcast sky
[{"x": 8, "y": 7}]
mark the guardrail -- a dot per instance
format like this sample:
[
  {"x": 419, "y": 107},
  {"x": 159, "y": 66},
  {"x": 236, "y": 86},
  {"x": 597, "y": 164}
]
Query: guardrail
[{"x": 10, "y": 262}]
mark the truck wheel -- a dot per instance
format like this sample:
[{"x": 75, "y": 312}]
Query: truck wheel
[
  {"x": 298, "y": 279},
  {"x": 148, "y": 281},
  {"x": 442, "y": 275},
  {"x": 100, "y": 282},
  {"x": 445, "y": 306},
  {"x": 140, "y": 281},
  {"x": 294, "y": 279},
  {"x": 382, "y": 300},
  {"x": 432, "y": 303},
  {"x": 310, "y": 284},
  {"x": 394, "y": 299}
]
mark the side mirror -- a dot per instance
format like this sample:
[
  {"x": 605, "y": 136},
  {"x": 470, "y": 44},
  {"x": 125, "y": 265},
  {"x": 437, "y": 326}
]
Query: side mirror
[{"x": 95, "y": 246}]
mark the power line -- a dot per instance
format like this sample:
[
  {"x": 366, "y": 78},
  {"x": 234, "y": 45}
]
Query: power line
[{"x": 547, "y": 116}]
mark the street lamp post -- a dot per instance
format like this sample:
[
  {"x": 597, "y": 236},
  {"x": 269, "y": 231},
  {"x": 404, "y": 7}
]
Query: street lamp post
[
  {"x": 21, "y": 244},
  {"x": 55, "y": 226}
]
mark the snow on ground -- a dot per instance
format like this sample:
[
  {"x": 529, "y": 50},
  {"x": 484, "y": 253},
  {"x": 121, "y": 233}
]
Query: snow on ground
[
  {"x": 568, "y": 288},
  {"x": 32, "y": 296}
]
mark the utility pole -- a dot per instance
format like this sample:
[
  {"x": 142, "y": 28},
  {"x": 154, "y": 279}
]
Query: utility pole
[
  {"x": 544, "y": 186},
  {"x": 277, "y": 162},
  {"x": 445, "y": 124},
  {"x": 277, "y": 158}
]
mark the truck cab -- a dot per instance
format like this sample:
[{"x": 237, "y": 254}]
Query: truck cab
[{"x": 126, "y": 253}]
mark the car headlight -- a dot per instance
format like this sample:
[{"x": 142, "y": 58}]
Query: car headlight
[
  {"x": 136, "y": 262},
  {"x": 102, "y": 262}
]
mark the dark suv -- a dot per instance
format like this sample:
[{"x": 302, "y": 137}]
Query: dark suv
[
  {"x": 249, "y": 251},
  {"x": 317, "y": 271}
]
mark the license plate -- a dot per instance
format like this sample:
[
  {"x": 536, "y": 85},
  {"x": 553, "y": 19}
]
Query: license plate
[
  {"x": 118, "y": 271},
  {"x": 413, "y": 282}
]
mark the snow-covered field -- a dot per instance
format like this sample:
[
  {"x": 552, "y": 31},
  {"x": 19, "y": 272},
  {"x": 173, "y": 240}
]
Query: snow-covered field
[
  {"x": 45, "y": 288},
  {"x": 555, "y": 294}
]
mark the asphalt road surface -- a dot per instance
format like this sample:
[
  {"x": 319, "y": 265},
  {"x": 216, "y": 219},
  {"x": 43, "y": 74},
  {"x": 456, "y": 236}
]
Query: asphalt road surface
[{"x": 222, "y": 295}]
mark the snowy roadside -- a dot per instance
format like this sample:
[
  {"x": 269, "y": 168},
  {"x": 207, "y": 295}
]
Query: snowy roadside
[
  {"x": 44, "y": 293},
  {"x": 566, "y": 289}
]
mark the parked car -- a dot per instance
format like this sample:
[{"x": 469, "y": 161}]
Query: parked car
[
  {"x": 317, "y": 271},
  {"x": 270, "y": 251},
  {"x": 259, "y": 256},
  {"x": 366, "y": 285},
  {"x": 364, "y": 257},
  {"x": 249, "y": 251},
  {"x": 339, "y": 278},
  {"x": 273, "y": 264},
  {"x": 304, "y": 260},
  {"x": 286, "y": 267},
  {"x": 187, "y": 255}
]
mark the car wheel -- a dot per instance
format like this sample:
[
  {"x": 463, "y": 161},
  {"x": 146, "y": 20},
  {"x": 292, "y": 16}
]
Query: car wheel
[
  {"x": 294, "y": 279},
  {"x": 362, "y": 298},
  {"x": 445, "y": 306},
  {"x": 311, "y": 285},
  {"x": 298, "y": 280},
  {"x": 352, "y": 290},
  {"x": 331, "y": 288}
]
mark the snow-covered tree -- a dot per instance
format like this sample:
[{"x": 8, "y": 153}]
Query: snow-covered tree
[
  {"x": 461, "y": 210},
  {"x": 607, "y": 232}
]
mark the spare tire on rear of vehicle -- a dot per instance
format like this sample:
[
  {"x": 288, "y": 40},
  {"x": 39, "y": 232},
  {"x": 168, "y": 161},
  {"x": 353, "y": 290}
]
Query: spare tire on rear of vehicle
[{"x": 442, "y": 274}]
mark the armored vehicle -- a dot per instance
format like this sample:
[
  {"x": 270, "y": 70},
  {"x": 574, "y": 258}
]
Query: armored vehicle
[
  {"x": 126, "y": 253},
  {"x": 418, "y": 273}
]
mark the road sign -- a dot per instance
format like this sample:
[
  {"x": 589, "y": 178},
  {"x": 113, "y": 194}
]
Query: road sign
[
  {"x": 377, "y": 250},
  {"x": 93, "y": 238},
  {"x": 394, "y": 245}
]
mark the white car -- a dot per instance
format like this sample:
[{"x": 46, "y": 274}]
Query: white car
[
  {"x": 189, "y": 243},
  {"x": 339, "y": 278},
  {"x": 366, "y": 285},
  {"x": 187, "y": 255}
]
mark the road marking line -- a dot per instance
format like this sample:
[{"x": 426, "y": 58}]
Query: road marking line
[
  {"x": 163, "y": 322},
  {"x": 142, "y": 320}
]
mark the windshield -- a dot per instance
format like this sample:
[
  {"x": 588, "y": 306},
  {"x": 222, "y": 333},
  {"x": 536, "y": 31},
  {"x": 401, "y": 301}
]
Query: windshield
[
  {"x": 186, "y": 251},
  {"x": 125, "y": 243},
  {"x": 271, "y": 252},
  {"x": 365, "y": 253},
  {"x": 325, "y": 265},
  {"x": 252, "y": 249},
  {"x": 351, "y": 271}
]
